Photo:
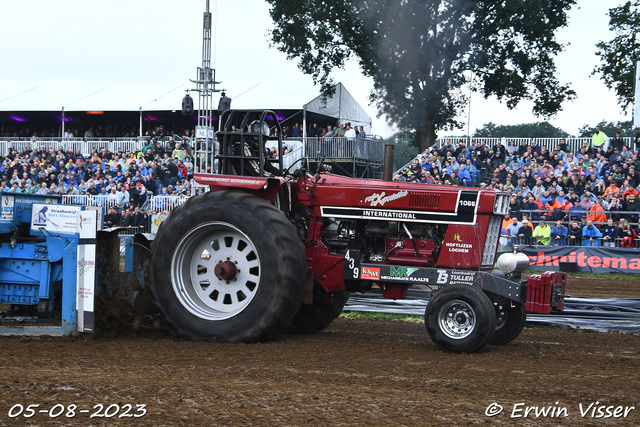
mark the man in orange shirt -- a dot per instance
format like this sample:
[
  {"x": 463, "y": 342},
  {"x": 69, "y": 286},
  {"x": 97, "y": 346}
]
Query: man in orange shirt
[
  {"x": 597, "y": 214},
  {"x": 612, "y": 190},
  {"x": 556, "y": 208}
]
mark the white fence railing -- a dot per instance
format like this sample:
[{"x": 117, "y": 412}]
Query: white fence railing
[
  {"x": 163, "y": 203},
  {"x": 85, "y": 147},
  {"x": 153, "y": 203},
  {"x": 573, "y": 144}
]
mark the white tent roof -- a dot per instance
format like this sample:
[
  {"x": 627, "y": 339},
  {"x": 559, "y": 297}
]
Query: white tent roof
[{"x": 342, "y": 106}]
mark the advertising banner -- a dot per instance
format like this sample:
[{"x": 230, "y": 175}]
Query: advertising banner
[
  {"x": 60, "y": 218},
  {"x": 86, "y": 226},
  {"x": 585, "y": 258}
]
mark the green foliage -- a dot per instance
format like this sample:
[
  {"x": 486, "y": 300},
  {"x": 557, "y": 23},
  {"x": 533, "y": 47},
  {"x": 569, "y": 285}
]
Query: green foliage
[
  {"x": 383, "y": 316},
  {"x": 620, "y": 55},
  {"x": 420, "y": 53},
  {"x": 523, "y": 130},
  {"x": 609, "y": 129}
]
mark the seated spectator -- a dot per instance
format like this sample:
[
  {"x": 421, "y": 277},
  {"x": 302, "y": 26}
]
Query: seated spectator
[
  {"x": 542, "y": 233},
  {"x": 597, "y": 214},
  {"x": 555, "y": 209},
  {"x": 559, "y": 234},
  {"x": 532, "y": 206},
  {"x": 609, "y": 234},
  {"x": 612, "y": 190},
  {"x": 463, "y": 175},
  {"x": 591, "y": 235},
  {"x": 627, "y": 234}
]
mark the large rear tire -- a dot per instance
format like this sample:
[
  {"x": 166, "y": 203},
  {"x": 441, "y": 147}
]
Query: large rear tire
[
  {"x": 460, "y": 319},
  {"x": 510, "y": 323},
  {"x": 228, "y": 266},
  {"x": 313, "y": 318}
]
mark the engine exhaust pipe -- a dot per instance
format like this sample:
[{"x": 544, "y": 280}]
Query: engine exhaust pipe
[{"x": 387, "y": 175}]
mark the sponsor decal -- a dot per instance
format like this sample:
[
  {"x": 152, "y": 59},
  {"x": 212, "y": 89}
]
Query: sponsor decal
[
  {"x": 370, "y": 273},
  {"x": 457, "y": 237},
  {"x": 402, "y": 272},
  {"x": 461, "y": 277},
  {"x": 399, "y": 215},
  {"x": 380, "y": 199},
  {"x": 459, "y": 247},
  {"x": 389, "y": 214},
  {"x": 232, "y": 180}
]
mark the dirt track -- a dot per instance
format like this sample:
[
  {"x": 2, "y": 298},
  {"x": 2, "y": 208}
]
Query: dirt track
[{"x": 357, "y": 372}]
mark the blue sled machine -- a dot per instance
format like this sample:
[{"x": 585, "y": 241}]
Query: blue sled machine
[{"x": 47, "y": 265}]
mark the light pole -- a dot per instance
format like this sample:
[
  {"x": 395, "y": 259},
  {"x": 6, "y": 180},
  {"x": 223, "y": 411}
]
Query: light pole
[
  {"x": 469, "y": 113},
  {"x": 154, "y": 100},
  {"x": 91, "y": 94}
]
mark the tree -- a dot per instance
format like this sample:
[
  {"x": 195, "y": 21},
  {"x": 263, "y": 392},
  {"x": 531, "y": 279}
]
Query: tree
[
  {"x": 523, "y": 130},
  {"x": 609, "y": 129},
  {"x": 419, "y": 53},
  {"x": 620, "y": 55}
]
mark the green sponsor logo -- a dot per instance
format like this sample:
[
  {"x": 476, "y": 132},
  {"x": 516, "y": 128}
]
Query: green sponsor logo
[{"x": 402, "y": 272}]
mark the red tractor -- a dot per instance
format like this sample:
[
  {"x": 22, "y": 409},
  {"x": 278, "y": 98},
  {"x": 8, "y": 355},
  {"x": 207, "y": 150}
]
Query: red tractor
[{"x": 257, "y": 256}]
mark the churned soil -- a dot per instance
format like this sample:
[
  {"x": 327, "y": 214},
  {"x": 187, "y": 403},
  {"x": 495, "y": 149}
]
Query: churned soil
[
  {"x": 603, "y": 288},
  {"x": 358, "y": 372}
]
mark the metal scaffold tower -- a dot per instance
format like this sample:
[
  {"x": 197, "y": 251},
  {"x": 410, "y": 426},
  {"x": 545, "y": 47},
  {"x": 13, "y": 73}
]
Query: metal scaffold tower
[{"x": 206, "y": 87}]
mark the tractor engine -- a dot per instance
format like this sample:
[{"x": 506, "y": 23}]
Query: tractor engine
[{"x": 388, "y": 242}]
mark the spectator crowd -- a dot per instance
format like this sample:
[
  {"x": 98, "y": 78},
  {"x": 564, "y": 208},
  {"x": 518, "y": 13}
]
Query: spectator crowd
[
  {"x": 121, "y": 180},
  {"x": 558, "y": 197}
]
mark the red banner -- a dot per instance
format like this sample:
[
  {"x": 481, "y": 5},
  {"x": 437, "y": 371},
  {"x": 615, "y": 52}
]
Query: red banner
[{"x": 585, "y": 258}]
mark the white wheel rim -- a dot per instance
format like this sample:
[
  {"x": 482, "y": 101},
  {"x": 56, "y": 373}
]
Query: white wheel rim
[
  {"x": 457, "y": 319},
  {"x": 195, "y": 283}
]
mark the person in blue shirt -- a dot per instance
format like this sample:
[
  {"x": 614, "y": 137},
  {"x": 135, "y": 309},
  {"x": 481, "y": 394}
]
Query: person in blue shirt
[
  {"x": 559, "y": 234},
  {"x": 463, "y": 175},
  {"x": 591, "y": 235}
]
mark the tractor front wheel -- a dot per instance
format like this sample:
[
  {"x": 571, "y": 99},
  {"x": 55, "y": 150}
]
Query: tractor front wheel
[
  {"x": 460, "y": 319},
  {"x": 510, "y": 324}
]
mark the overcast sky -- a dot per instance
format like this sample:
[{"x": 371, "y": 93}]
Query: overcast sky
[{"x": 141, "y": 49}]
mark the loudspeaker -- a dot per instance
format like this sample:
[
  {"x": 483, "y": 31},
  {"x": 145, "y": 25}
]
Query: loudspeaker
[{"x": 187, "y": 105}]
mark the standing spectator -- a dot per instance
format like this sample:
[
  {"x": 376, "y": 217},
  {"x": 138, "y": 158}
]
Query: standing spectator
[
  {"x": 543, "y": 233},
  {"x": 591, "y": 235},
  {"x": 632, "y": 205},
  {"x": 598, "y": 141},
  {"x": 525, "y": 233},
  {"x": 609, "y": 234},
  {"x": 513, "y": 230},
  {"x": 558, "y": 234},
  {"x": 575, "y": 233},
  {"x": 617, "y": 143}
]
